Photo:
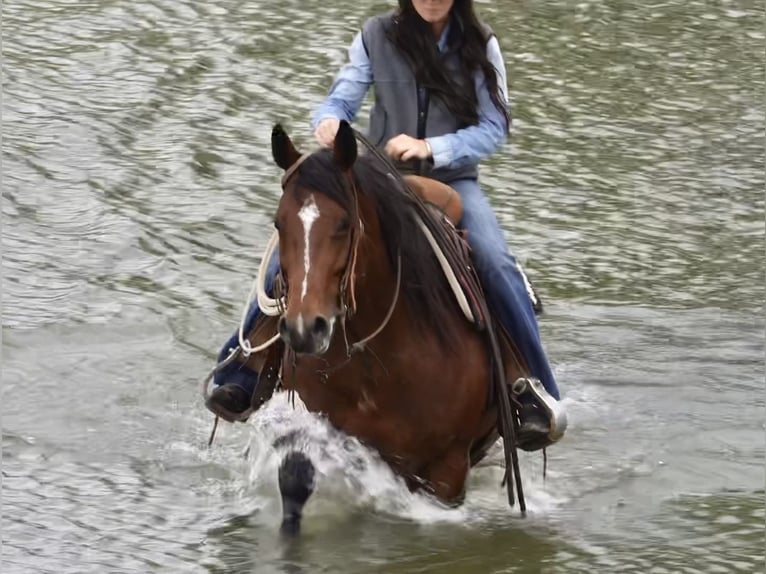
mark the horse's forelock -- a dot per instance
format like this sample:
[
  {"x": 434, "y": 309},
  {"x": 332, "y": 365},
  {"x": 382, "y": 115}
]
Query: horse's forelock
[{"x": 320, "y": 173}]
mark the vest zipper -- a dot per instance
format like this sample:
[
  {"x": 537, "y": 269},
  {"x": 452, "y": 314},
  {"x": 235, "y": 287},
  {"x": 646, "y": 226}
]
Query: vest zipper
[
  {"x": 422, "y": 111},
  {"x": 423, "y": 101}
]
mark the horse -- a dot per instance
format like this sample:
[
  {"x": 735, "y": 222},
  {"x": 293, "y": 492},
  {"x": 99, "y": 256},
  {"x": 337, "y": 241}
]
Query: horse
[{"x": 372, "y": 335}]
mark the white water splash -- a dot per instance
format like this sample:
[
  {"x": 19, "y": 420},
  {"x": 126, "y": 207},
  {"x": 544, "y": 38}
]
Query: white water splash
[{"x": 351, "y": 476}]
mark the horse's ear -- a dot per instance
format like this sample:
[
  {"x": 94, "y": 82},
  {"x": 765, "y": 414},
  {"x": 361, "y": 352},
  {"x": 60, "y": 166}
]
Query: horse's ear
[
  {"x": 282, "y": 148},
  {"x": 344, "y": 149}
]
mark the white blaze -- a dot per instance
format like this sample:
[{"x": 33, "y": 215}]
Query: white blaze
[{"x": 308, "y": 215}]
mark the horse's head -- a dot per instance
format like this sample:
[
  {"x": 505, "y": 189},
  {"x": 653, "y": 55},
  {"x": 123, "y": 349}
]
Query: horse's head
[{"x": 318, "y": 227}]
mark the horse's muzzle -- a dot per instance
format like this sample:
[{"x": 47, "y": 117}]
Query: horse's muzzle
[{"x": 307, "y": 335}]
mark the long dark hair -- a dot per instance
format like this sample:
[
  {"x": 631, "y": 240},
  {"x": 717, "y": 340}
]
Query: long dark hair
[{"x": 413, "y": 37}]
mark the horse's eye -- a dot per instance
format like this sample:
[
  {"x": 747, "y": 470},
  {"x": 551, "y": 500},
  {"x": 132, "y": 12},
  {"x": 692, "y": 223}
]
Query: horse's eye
[
  {"x": 276, "y": 225},
  {"x": 343, "y": 226}
]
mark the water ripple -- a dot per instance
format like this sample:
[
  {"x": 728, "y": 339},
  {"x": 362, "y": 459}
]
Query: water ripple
[{"x": 138, "y": 192}]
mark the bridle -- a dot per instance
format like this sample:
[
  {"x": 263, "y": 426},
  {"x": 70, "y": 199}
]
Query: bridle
[{"x": 348, "y": 280}]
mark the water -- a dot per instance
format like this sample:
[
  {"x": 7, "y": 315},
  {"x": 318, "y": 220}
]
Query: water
[{"x": 137, "y": 196}]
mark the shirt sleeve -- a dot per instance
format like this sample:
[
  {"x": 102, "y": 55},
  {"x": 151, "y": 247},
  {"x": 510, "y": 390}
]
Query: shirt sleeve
[
  {"x": 349, "y": 88},
  {"x": 470, "y": 145}
]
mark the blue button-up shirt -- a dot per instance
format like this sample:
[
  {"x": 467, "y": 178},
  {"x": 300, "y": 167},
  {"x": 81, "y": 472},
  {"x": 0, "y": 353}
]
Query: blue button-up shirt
[{"x": 466, "y": 146}]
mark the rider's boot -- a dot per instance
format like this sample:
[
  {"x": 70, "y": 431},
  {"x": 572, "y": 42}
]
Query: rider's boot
[
  {"x": 543, "y": 419},
  {"x": 230, "y": 402},
  {"x": 231, "y": 398},
  {"x": 242, "y": 389}
]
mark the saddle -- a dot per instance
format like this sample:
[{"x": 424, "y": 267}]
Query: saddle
[{"x": 437, "y": 194}]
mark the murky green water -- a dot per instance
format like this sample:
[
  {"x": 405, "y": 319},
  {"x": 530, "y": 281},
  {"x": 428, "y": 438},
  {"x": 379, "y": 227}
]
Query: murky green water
[{"x": 137, "y": 196}]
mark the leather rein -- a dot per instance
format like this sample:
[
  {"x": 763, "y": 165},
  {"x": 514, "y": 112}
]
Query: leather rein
[{"x": 507, "y": 419}]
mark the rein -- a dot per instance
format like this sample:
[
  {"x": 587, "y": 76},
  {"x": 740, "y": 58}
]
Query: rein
[{"x": 507, "y": 419}]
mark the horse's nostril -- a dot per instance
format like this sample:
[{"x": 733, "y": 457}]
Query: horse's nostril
[
  {"x": 321, "y": 327},
  {"x": 305, "y": 336}
]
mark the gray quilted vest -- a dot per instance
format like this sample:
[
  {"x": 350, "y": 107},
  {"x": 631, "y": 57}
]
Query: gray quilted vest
[{"x": 396, "y": 109}]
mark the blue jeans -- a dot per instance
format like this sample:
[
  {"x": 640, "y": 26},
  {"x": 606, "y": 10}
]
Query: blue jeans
[
  {"x": 498, "y": 273},
  {"x": 502, "y": 282},
  {"x": 236, "y": 373}
]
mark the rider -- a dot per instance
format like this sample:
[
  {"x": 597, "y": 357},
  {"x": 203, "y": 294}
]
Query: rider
[{"x": 440, "y": 107}]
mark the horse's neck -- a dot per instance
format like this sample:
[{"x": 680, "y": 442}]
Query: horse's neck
[
  {"x": 378, "y": 291},
  {"x": 376, "y": 284}
]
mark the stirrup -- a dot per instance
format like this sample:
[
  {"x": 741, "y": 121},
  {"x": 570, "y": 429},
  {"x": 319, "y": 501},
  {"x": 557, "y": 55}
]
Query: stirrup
[{"x": 553, "y": 410}]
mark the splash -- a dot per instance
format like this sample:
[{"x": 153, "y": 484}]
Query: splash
[{"x": 354, "y": 477}]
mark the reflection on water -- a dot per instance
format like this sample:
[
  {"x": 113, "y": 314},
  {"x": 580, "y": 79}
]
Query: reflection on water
[{"x": 138, "y": 194}]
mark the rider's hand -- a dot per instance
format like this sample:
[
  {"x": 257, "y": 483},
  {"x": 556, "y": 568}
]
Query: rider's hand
[
  {"x": 326, "y": 130},
  {"x": 405, "y": 148}
]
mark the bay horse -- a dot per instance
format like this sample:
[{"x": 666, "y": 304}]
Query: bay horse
[{"x": 373, "y": 336}]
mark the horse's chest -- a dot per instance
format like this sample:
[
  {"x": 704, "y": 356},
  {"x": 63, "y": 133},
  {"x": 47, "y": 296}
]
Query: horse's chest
[{"x": 377, "y": 411}]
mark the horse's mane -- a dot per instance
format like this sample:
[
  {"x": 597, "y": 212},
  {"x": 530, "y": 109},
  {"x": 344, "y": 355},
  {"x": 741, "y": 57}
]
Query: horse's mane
[{"x": 424, "y": 289}]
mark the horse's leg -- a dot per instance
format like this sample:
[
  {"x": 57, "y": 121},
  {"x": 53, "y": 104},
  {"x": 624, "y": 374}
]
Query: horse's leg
[
  {"x": 446, "y": 477},
  {"x": 296, "y": 483}
]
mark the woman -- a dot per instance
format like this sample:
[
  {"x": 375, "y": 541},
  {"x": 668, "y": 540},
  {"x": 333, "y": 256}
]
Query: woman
[{"x": 441, "y": 107}]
